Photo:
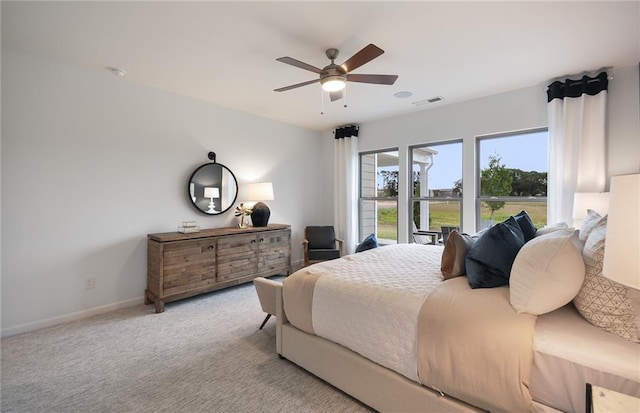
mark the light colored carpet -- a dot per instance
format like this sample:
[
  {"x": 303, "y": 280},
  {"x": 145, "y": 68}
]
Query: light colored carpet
[{"x": 202, "y": 354}]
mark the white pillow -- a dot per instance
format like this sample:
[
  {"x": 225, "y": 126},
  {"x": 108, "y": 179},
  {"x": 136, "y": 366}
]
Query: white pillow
[
  {"x": 547, "y": 272},
  {"x": 592, "y": 219},
  {"x": 551, "y": 228}
]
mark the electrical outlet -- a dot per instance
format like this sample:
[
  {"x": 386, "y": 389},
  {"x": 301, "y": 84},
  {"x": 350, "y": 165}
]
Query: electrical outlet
[{"x": 90, "y": 283}]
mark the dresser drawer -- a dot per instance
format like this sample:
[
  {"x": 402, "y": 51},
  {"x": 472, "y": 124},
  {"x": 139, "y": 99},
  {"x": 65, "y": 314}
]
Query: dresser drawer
[
  {"x": 274, "y": 239},
  {"x": 237, "y": 256},
  {"x": 188, "y": 265},
  {"x": 274, "y": 252},
  {"x": 178, "y": 254}
]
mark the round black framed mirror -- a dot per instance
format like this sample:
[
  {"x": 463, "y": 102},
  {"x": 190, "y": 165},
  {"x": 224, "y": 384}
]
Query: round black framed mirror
[{"x": 212, "y": 188}]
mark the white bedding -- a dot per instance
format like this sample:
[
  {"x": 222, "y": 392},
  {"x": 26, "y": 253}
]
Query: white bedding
[
  {"x": 569, "y": 352},
  {"x": 382, "y": 327}
]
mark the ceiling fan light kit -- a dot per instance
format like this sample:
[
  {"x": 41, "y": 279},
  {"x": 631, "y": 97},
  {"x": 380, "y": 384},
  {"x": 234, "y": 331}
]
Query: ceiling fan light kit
[
  {"x": 333, "y": 83},
  {"x": 333, "y": 77}
]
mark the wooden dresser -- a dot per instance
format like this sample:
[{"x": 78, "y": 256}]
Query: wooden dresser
[{"x": 183, "y": 265}]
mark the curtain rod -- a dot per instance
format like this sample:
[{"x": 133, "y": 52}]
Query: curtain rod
[{"x": 584, "y": 73}]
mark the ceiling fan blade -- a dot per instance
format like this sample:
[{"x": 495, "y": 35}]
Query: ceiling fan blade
[
  {"x": 301, "y": 65},
  {"x": 367, "y": 54},
  {"x": 335, "y": 95},
  {"x": 377, "y": 79},
  {"x": 282, "y": 89}
]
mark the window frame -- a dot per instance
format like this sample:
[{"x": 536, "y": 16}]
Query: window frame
[
  {"x": 478, "y": 172},
  {"x": 362, "y": 199},
  {"x": 411, "y": 198}
]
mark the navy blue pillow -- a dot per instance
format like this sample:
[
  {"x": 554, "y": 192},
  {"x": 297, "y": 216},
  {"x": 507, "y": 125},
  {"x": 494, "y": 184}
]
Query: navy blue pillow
[
  {"x": 489, "y": 261},
  {"x": 526, "y": 225},
  {"x": 370, "y": 242}
]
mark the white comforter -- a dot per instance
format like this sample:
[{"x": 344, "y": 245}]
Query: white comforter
[{"x": 357, "y": 304}]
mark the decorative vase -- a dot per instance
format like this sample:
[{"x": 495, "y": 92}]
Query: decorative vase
[{"x": 243, "y": 222}]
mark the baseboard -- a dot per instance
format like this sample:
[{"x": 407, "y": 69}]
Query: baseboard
[{"x": 37, "y": 325}]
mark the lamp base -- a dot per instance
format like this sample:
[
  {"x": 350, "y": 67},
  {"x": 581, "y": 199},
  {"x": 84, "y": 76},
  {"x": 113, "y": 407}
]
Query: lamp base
[
  {"x": 212, "y": 208},
  {"x": 260, "y": 215}
]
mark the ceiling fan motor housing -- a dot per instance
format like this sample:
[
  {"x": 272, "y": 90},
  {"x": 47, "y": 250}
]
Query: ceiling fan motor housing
[{"x": 333, "y": 77}]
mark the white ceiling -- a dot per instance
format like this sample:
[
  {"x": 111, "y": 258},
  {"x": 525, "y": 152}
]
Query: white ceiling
[{"x": 224, "y": 52}]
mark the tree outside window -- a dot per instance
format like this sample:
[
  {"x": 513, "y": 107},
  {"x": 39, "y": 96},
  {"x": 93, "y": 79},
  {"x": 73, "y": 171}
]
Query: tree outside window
[{"x": 512, "y": 174}]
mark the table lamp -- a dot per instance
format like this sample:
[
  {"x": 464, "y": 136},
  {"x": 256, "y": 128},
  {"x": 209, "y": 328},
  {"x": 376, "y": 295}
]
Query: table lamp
[
  {"x": 260, "y": 191},
  {"x": 210, "y": 192},
  {"x": 622, "y": 244}
]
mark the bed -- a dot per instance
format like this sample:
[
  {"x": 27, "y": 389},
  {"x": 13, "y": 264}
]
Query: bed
[{"x": 384, "y": 327}]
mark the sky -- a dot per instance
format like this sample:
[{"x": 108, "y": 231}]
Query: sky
[{"x": 527, "y": 152}]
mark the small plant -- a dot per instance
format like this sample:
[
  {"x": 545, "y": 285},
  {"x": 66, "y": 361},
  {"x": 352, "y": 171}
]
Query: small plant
[{"x": 243, "y": 210}]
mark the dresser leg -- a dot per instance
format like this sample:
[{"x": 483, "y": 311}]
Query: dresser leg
[{"x": 150, "y": 298}]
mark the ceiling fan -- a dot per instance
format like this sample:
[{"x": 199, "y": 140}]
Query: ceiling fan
[{"x": 333, "y": 77}]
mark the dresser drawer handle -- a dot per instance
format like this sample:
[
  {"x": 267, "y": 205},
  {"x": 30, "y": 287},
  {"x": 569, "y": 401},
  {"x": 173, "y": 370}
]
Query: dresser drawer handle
[
  {"x": 210, "y": 247},
  {"x": 253, "y": 241},
  {"x": 261, "y": 239}
]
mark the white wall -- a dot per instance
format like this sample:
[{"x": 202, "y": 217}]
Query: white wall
[
  {"x": 91, "y": 163},
  {"x": 623, "y": 122},
  {"x": 516, "y": 110}
]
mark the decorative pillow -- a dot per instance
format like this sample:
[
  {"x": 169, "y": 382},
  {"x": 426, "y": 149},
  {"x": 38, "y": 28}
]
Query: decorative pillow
[
  {"x": 368, "y": 243},
  {"x": 551, "y": 228},
  {"x": 603, "y": 302},
  {"x": 488, "y": 263},
  {"x": 547, "y": 273},
  {"x": 589, "y": 223},
  {"x": 455, "y": 251},
  {"x": 526, "y": 225}
]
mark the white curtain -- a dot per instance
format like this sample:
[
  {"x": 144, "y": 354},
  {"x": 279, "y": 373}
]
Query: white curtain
[
  {"x": 346, "y": 186},
  {"x": 577, "y": 158}
]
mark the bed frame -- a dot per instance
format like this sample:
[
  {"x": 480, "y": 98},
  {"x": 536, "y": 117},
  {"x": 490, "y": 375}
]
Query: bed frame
[{"x": 370, "y": 383}]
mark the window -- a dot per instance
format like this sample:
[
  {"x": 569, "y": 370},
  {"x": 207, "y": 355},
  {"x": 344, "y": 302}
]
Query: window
[
  {"x": 379, "y": 195},
  {"x": 436, "y": 189},
  {"x": 512, "y": 176}
]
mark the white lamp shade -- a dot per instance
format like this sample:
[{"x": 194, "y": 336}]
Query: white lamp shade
[
  {"x": 597, "y": 201},
  {"x": 260, "y": 191},
  {"x": 210, "y": 192},
  {"x": 622, "y": 245}
]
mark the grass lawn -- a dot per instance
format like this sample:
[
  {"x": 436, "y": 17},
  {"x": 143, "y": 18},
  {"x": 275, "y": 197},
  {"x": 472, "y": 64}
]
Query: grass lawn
[{"x": 448, "y": 214}]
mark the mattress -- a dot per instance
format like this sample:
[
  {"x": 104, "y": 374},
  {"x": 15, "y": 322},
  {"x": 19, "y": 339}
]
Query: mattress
[
  {"x": 367, "y": 301},
  {"x": 570, "y": 352}
]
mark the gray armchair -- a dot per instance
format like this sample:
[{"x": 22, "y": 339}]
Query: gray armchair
[{"x": 320, "y": 244}]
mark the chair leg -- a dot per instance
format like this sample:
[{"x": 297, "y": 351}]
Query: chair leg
[{"x": 265, "y": 321}]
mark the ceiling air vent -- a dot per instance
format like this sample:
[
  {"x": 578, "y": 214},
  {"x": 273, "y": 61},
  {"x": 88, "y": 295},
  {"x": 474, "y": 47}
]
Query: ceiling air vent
[{"x": 430, "y": 100}]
